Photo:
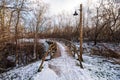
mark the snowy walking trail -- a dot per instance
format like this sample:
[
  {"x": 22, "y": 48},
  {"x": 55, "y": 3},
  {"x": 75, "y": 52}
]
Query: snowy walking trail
[
  {"x": 66, "y": 67},
  {"x": 62, "y": 68}
]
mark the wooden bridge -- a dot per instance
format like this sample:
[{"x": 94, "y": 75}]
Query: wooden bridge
[{"x": 72, "y": 48}]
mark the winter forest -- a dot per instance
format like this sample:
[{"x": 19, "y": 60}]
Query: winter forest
[{"x": 59, "y": 39}]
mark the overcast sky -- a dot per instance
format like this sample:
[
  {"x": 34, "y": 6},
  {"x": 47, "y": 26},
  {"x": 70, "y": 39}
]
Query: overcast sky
[{"x": 59, "y": 6}]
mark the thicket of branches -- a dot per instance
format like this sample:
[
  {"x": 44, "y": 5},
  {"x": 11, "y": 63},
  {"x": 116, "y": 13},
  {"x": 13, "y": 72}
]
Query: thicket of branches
[{"x": 104, "y": 24}]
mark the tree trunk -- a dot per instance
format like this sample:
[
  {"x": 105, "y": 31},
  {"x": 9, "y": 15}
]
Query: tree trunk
[
  {"x": 35, "y": 45},
  {"x": 96, "y": 29},
  {"x": 16, "y": 31},
  {"x": 16, "y": 36}
]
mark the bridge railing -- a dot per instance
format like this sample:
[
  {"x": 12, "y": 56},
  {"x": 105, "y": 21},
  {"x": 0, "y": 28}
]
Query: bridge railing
[
  {"x": 51, "y": 50},
  {"x": 72, "y": 47}
]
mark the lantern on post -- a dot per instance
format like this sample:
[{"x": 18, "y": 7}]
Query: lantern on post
[{"x": 75, "y": 14}]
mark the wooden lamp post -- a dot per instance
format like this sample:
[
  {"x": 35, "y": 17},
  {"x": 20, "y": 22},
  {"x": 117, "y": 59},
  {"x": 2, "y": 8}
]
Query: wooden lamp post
[{"x": 81, "y": 33}]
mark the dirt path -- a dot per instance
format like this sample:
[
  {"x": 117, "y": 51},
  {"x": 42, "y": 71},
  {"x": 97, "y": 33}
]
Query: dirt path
[{"x": 59, "y": 52}]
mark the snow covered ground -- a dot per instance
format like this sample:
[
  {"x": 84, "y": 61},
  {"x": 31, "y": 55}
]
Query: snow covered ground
[
  {"x": 101, "y": 69},
  {"x": 66, "y": 67},
  {"x": 22, "y": 73}
]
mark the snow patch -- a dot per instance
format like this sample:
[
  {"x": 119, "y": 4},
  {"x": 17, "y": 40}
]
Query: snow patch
[{"x": 46, "y": 74}]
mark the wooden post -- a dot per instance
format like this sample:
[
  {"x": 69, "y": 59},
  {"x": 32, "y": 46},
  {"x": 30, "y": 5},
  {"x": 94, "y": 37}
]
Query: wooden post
[
  {"x": 81, "y": 33},
  {"x": 43, "y": 59}
]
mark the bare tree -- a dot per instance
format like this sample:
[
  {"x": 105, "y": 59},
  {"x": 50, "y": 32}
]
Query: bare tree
[
  {"x": 105, "y": 22},
  {"x": 39, "y": 20},
  {"x": 18, "y": 11}
]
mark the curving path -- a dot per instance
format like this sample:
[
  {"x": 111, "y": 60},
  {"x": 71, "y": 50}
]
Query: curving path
[{"x": 61, "y": 68}]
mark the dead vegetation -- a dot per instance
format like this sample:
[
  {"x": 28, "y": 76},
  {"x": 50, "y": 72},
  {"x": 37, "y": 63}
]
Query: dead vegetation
[
  {"x": 106, "y": 52},
  {"x": 25, "y": 52}
]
